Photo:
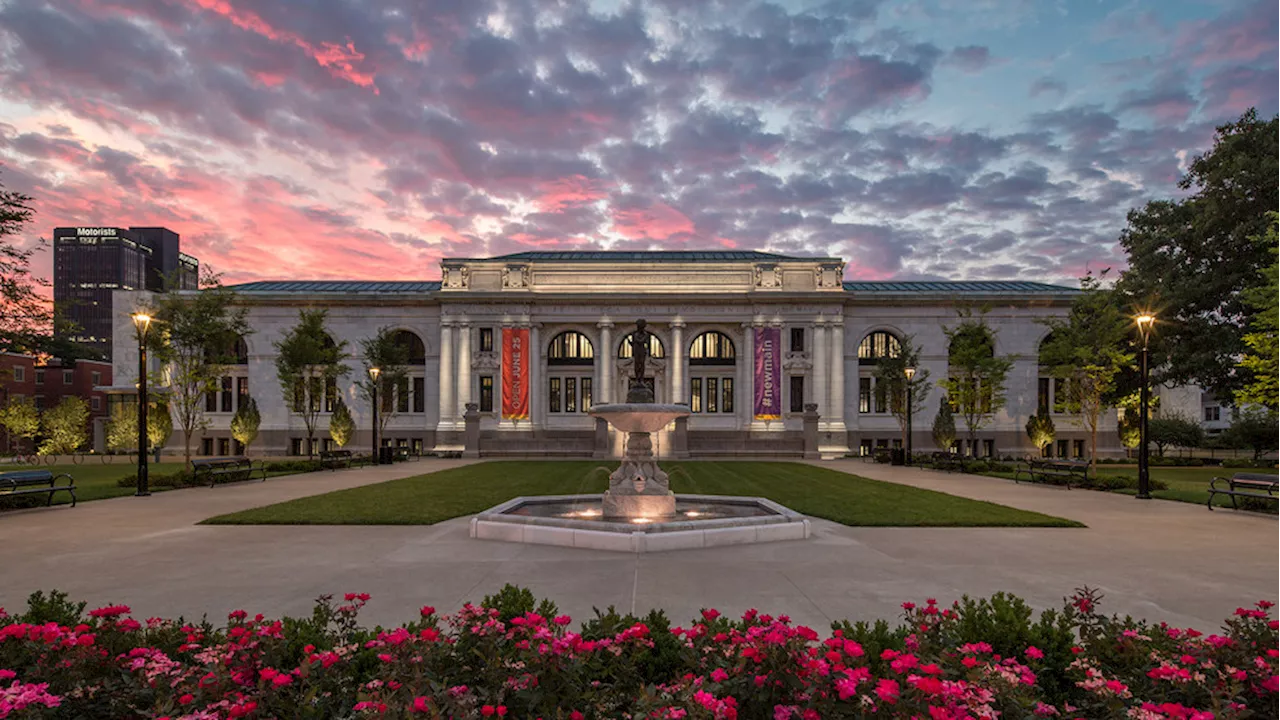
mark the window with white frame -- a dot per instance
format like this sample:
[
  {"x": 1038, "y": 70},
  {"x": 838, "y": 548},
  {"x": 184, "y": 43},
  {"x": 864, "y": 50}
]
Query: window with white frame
[
  {"x": 231, "y": 389},
  {"x": 875, "y": 346},
  {"x": 712, "y": 363},
  {"x": 570, "y": 367}
]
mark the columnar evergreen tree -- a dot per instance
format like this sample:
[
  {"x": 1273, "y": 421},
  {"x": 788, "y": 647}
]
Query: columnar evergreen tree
[
  {"x": 392, "y": 360},
  {"x": 245, "y": 423},
  {"x": 975, "y": 380},
  {"x": 195, "y": 336},
  {"x": 308, "y": 361},
  {"x": 944, "y": 427},
  {"x": 65, "y": 426},
  {"x": 1041, "y": 431},
  {"x": 341, "y": 426},
  {"x": 1196, "y": 259},
  {"x": 892, "y": 383},
  {"x": 1088, "y": 350}
]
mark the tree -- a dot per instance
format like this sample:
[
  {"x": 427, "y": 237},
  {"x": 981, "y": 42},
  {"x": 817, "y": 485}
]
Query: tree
[
  {"x": 975, "y": 376},
  {"x": 1263, "y": 339},
  {"x": 25, "y": 314},
  {"x": 196, "y": 334},
  {"x": 341, "y": 426},
  {"x": 65, "y": 426},
  {"x": 159, "y": 424},
  {"x": 944, "y": 427},
  {"x": 392, "y": 360},
  {"x": 1255, "y": 428},
  {"x": 1175, "y": 430},
  {"x": 1129, "y": 430},
  {"x": 21, "y": 418},
  {"x": 1088, "y": 350},
  {"x": 1041, "y": 431},
  {"x": 308, "y": 364},
  {"x": 245, "y": 423},
  {"x": 1196, "y": 259},
  {"x": 892, "y": 384},
  {"x": 122, "y": 429}
]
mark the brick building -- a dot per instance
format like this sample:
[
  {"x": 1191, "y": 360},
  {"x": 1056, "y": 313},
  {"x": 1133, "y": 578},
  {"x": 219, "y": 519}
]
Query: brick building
[{"x": 48, "y": 382}]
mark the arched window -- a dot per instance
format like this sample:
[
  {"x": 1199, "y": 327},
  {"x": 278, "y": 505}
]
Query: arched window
[
  {"x": 988, "y": 343},
  {"x": 876, "y": 345},
  {"x": 232, "y": 388},
  {"x": 235, "y": 352},
  {"x": 417, "y": 350},
  {"x": 1051, "y": 392},
  {"x": 570, "y": 348},
  {"x": 712, "y": 348},
  {"x": 655, "y": 348}
]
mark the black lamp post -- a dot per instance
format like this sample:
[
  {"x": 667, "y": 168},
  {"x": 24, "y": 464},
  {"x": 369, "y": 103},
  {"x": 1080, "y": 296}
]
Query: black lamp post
[
  {"x": 373, "y": 377},
  {"x": 1145, "y": 321},
  {"x": 142, "y": 323},
  {"x": 910, "y": 372}
]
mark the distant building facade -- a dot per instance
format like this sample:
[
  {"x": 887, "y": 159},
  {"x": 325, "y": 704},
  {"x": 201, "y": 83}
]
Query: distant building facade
[
  {"x": 90, "y": 263},
  {"x": 46, "y": 383},
  {"x": 746, "y": 339}
]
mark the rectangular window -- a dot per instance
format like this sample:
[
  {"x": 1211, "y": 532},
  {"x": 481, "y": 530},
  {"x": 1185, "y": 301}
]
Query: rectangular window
[
  {"x": 1062, "y": 448},
  {"x": 486, "y": 339},
  {"x": 797, "y": 339},
  {"x": 1059, "y": 395},
  {"x": 315, "y": 388},
  {"x": 95, "y": 377},
  {"x": 68, "y": 377},
  {"x": 864, "y": 447},
  {"x": 988, "y": 448},
  {"x": 486, "y": 393},
  {"x": 242, "y": 390},
  {"x": 39, "y": 377},
  {"x": 386, "y": 395},
  {"x": 224, "y": 446},
  {"x": 797, "y": 393},
  {"x": 1212, "y": 413},
  {"x": 864, "y": 395},
  {"x": 419, "y": 394},
  {"x": 726, "y": 395},
  {"x": 211, "y": 401},
  {"x": 882, "y": 401},
  {"x": 299, "y": 396},
  {"x": 330, "y": 394},
  {"x": 95, "y": 403},
  {"x": 586, "y": 394},
  {"x": 19, "y": 374},
  {"x": 553, "y": 392},
  {"x": 1078, "y": 448},
  {"x": 570, "y": 394},
  {"x": 402, "y": 395},
  {"x": 206, "y": 446},
  {"x": 695, "y": 394},
  {"x": 713, "y": 389},
  {"x": 39, "y": 402},
  {"x": 226, "y": 394},
  {"x": 1042, "y": 397}
]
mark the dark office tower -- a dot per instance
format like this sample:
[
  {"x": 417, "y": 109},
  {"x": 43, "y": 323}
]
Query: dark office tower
[{"x": 90, "y": 262}]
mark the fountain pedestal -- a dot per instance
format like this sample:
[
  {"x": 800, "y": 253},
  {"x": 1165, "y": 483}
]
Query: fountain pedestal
[{"x": 639, "y": 488}]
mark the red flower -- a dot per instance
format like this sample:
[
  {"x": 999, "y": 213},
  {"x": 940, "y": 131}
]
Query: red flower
[
  {"x": 1034, "y": 653},
  {"x": 710, "y": 614},
  {"x": 110, "y": 611},
  {"x": 888, "y": 690}
]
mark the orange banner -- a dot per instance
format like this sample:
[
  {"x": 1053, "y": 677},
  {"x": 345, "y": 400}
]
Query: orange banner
[{"x": 515, "y": 373}]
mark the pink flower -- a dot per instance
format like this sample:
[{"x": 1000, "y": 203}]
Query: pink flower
[
  {"x": 427, "y": 611},
  {"x": 710, "y": 614},
  {"x": 719, "y": 675},
  {"x": 110, "y": 611},
  {"x": 186, "y": 699},
  {"x": 846, "y": 688},
  {"x": 419, "y": 705},
  {"x": 7, "y": 674},
  {"x": 1034, "y": 653},
  {"x": 1043, "y": 710},
  {"x": 888, "y": 690},
  {"x": 575, "y": 715},
  {"x": 562, "y": 620}
]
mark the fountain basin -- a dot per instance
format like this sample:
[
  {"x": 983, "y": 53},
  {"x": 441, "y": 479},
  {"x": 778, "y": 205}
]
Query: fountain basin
[
  {"x": 639, "y": 417},
  {"x": 700, "y": 521}
]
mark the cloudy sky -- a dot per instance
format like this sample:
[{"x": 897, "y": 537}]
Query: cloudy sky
[{"x": 957, "y": 139}]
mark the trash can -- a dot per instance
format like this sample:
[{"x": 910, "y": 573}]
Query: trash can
[
  {"x": 384, "y": 456},
  {"x": 897, "y": 456}
]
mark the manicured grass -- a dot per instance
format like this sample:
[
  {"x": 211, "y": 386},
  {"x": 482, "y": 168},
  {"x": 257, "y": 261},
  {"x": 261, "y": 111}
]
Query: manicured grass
[
  {"x": 847, "y": 499},
  {"x": 93, "y": 480},
  {"x": 1187, "y": 484}
]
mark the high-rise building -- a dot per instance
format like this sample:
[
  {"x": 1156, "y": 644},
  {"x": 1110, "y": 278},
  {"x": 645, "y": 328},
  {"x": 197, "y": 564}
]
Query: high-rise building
[{"x": 90, "y": 262}]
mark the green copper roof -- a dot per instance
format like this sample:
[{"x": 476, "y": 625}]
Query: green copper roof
[
  {"x": 966, "y": 287},
  {"x": 644, "y": 256},
  {"x": 338, "y": 286}
]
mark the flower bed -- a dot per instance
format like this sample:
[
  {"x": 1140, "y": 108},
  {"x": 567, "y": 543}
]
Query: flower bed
[{"x": 513, "y": 657}]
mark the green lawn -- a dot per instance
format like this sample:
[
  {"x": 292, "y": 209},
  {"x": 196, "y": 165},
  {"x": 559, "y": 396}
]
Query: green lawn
[
  {"x": 847, "y": 499},
  {"x": 93, "y": 480},
  {"x": 1186, "y": 484}
]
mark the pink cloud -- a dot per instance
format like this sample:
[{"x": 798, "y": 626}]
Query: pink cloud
[
  {"x": 557, "y": 195},
  {"x": 659, "y": 221}
]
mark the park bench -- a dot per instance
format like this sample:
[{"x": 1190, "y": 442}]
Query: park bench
[
  {"x": 226, "y": 469},
  {"x": 1053, "y": 472},
  {"x": 34, "y": 482},
  {"x": 949, "y": 461},
  {"x": 1246, "y": 485},
  {"x": 334, "y": 459},
  {"x": 882, "y": 455}
]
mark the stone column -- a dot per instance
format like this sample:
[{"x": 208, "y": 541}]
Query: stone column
[
  {"x": 747, "y": 375},
  {"x": 820, "y": 356},
  {"x": 471, "y": 431},
  {"x": 835, "y": 410},
  {"x": 447, "y": 408},
  {"x": 536, "y": 390},
  {"x": 464, "y": 368},
  {"x": 604, "y": 363},
  {"x": 677, "y": 361}
]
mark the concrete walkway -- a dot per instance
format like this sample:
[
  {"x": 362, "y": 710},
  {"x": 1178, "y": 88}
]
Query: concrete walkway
[{"x": 1158, "y": 559}]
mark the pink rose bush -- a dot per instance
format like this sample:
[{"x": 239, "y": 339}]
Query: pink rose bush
[{"x": 513, "y": 657}]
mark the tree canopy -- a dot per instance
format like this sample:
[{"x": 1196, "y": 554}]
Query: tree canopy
[
  {"x": 976, "y": 377},
  {"x": 1196, "y": 259},
  {"x": 25, "y": 313},
  {"x": 308, "y": 364},
  {"x": 892, "y": 383}
]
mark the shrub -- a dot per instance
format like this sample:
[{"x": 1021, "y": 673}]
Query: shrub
[
  {"x": 180, "y": 478},
  {"x": 1246, "y": 463},
  {"x": 991, "y": 657},
  {"x": 292, "y": 466}
]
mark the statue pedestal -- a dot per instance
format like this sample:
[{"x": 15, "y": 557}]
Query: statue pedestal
[{"x": 639, "y": 488}]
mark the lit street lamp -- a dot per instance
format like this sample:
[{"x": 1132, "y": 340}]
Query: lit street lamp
[
  {"x": 910, "y": 372},
  {"x": 373, "y": 376},
  {"x": 142, "y": 323},
  {"x": 1145, "y": 321}
]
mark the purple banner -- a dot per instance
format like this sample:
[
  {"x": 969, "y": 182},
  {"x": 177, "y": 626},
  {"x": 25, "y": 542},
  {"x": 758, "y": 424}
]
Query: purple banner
[{"x": 768, "y": 373}]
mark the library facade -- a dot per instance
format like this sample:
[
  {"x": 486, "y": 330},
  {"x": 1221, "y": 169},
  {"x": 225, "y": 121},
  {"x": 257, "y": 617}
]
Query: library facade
[{"x": 525, "y": 344}]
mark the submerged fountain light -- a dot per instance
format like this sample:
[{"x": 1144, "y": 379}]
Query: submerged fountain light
[
  {"x": 692, "y": 513},
  {"x": 642, "y": 520},
  {"x": 589, "y": 512}
]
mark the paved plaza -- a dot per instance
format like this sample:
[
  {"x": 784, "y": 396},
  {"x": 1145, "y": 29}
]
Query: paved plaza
[{"x": 1162, "y": 560}]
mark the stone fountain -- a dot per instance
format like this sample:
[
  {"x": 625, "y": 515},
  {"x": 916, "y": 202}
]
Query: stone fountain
[{"x": 639, "y": 513}]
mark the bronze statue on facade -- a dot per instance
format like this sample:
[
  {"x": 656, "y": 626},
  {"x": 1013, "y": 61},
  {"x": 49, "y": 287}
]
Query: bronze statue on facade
[{"x": 640, "y": 339}]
